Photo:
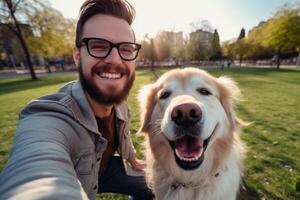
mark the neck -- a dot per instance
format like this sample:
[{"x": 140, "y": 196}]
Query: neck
[{"x": 100, "y": 110}]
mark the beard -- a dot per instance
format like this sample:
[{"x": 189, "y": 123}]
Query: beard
[{"x": 99, "y": 96}]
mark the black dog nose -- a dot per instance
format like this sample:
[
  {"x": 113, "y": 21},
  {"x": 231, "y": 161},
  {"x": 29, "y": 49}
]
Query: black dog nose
[{"x": 187, "y": 114}]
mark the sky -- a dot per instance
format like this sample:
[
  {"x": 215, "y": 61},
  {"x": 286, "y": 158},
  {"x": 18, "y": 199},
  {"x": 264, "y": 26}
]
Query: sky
[{"x": 227, "y": 16}]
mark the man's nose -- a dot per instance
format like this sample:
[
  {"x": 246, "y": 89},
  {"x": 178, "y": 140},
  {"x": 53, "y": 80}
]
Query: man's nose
[{"x": 113, "y": 57}]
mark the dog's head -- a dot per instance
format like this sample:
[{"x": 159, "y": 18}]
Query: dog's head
[{"x": 188, "y": 116}]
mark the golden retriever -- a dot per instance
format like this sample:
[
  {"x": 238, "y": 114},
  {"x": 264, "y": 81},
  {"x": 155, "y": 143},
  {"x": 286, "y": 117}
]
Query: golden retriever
[{"x": 193, "y": 150}]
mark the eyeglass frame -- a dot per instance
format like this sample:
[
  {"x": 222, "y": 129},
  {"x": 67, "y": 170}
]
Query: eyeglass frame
[{"x": 86, "y": 40}]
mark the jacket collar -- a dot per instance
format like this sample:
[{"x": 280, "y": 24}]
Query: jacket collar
[
  {"x": 85, "y": 114},
  {"x": 120, "y": 114}
]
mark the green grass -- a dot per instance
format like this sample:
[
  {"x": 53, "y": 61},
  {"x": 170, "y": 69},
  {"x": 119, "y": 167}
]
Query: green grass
[{"x": 271, "y": 102}]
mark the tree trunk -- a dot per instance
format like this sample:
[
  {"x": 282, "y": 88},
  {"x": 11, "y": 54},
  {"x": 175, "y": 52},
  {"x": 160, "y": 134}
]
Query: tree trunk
[
  {"x": 19, "y": 34},
  {"x": 278, "y": 59},
  {"x": 241, "y": 59},
  {"x": 152, "y": 57},
  {"x": 298, "y": 60}
]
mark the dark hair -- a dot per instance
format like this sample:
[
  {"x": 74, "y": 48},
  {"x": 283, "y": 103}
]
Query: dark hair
[{"x": 117, "y": 8}]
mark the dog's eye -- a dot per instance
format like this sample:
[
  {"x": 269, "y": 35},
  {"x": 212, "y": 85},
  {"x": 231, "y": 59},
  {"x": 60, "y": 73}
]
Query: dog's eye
[
  {"x": 165, "y": 94},
  {"x": 204, "y": 91}
]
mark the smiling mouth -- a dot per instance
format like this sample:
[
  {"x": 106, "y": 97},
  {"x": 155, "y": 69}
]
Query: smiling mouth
[
  {"x": 106, "y": 75},
  {"x": 189, "y": 151}
]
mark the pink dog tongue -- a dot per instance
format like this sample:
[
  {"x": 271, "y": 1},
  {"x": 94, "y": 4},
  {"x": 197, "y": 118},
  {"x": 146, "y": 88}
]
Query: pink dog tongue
[{"x": 188, "y": 147}]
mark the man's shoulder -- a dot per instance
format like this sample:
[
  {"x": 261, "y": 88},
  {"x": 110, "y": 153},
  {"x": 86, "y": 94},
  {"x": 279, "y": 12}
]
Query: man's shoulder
[
  {"x": 67, "y": 88},
  {"x": 59, "y": 96},
  {"x": 60, "y": 102},
  {"x": 68, "y": 104}
]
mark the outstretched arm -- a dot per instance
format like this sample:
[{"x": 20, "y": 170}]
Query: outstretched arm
[{"x": 40, "y": 165}]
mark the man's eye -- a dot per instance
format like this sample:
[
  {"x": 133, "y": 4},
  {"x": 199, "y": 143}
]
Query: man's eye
[
  {"x": 99, "y": 47},
  {"x": 204, "y": 91},
  {"x": 127, "y": 49},
  {"x": 165, "y": 94}
]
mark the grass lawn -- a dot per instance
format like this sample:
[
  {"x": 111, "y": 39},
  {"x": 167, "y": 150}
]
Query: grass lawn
[{"x": 271, "y": 102}]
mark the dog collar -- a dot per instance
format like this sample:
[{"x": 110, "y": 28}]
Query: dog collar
[{"x": 177, "y": 185}]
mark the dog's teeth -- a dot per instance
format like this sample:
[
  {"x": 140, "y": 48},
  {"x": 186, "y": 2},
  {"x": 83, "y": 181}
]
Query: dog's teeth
[{"x": 187, "y": 159}]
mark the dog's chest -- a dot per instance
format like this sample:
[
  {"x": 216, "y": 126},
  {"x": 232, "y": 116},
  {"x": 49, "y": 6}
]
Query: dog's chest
[{"x": 214, "y": 187}]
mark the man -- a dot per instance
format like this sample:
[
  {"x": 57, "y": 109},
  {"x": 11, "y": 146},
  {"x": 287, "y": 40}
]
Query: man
[{"x": 65, "y": 143}]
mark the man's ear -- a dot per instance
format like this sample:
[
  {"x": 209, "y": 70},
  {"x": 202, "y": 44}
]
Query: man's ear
[
  {"x": 147, "y": 100},
  {"x": 76, "y": 56}
]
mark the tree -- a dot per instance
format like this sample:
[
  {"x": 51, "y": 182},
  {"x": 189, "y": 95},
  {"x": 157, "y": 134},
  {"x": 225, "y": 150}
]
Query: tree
[
  {"x": 52, "y": 39},
  {"x": 255, "y": 50},
  {"x": 240, "y": 47},
  {"x": 145, "y": 53},
  {"x": 242, "y": 34},
  {"x": 162, "y": 45},
  {"x": 282, "y": 32},
  {"x": 216, "y": 48},
  {"x": 228, "y": 49},
  {"x": 11, "y": 12},
  {"x": 178, "y": 49}
]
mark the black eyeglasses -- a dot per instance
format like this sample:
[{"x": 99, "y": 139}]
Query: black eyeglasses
[{"x": 101, "y": 48}]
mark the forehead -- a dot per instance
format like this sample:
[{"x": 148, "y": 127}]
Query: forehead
[
  {"x": 108, "y": 27},
  {"x": 187, "y": 81}
]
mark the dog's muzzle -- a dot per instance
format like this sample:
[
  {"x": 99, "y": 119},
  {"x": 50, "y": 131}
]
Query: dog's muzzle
[{"x": 188, "y": 146}]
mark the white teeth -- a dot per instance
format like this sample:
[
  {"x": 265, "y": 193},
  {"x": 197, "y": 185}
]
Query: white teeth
[
  {"x": 188, "y": 159},
  {"x": 110, "y": 75}
]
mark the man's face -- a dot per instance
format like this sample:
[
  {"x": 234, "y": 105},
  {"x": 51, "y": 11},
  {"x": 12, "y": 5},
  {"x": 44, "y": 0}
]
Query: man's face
[{"x": 106, "y": 80}]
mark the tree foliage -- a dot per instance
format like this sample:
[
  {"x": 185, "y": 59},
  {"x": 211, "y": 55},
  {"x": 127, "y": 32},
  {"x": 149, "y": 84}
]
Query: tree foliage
[
  {"x": 51, "y": 39},
  {"x": 162, "y": 45},
  {"x": 279, "y": 34},
  {"x": 216, "y": 47},
  {"x": 228, "y": 50},
  {"x": 15, "y": 12},
  {"x": 242, "y": 34},
  {"x": 241, "y": 46},
  {"x": 52, "y": 35},
  {"x": 146, "y": 51}
]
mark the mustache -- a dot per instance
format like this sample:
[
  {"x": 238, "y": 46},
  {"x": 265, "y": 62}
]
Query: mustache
[{"x": 109, "y": 68}]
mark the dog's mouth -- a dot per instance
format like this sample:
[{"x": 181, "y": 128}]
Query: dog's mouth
[{"x": 189, "y": 151}]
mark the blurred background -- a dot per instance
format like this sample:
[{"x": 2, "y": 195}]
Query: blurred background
[{"x": 37, "y": 36}]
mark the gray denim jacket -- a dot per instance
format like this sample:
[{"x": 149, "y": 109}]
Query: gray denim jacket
[{"x": 57, "y": 148}]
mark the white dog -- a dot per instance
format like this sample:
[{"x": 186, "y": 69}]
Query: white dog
[{"x": 193, "y": 150}]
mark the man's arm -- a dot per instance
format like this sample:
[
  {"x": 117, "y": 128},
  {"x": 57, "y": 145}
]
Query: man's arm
[{"x": 40, "y": 165}]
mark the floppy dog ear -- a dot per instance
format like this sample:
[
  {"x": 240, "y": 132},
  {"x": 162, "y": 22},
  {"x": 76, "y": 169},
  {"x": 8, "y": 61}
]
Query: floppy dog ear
[
  {"x": 230, "y": 95},
  {"x": 146, "y": 98}
]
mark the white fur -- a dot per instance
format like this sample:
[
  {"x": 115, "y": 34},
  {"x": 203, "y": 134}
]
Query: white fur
[{"x": 218, "y": 177}]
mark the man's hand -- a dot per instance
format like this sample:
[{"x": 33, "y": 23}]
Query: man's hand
[{"x": 137, "y": 165}]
